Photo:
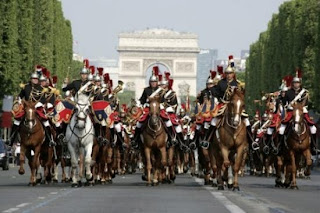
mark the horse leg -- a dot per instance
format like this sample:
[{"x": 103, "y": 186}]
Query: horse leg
[
  {"x": 237, "y": 165},
  {"x": 307, "y": 156},
  {"x": 279, "y": 171},
  {"x": 206, "y": 156},
  {"x": 293, "y": 170},
  {"x": 87, "y": 161},
  {"x": 147, "y": 152},
  {"x": 22, "y": 159},
  {"x": 74, "y": 164},
  {"x": 35, "y": 165}
]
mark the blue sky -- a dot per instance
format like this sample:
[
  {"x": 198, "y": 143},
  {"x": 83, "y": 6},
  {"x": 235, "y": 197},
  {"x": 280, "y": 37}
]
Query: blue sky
[{"x": 227, "y": 25}]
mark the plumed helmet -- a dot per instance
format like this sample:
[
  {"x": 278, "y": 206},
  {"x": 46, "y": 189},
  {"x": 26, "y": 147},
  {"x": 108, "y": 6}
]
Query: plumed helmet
[
  {"x": 284, "y": 89},
  {"x": 210, "y": 81},
  {"x": 229, "y": 69},
  {"x": 34, "y": 75},
  {"x": 43, "y": 78},
  {"x": 153, "y": 78},
  {"x": 90, "y": 77},
  {"x": 84, "y": 71},
  {"x": 298, "y": 77},
  {"x": 265, "y": 115},
  {"x": 97, "y": 78}
]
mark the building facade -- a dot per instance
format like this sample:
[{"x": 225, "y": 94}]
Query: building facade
[
  {"x": 206, "y": 59},
  {"x": 175, "y": 52}
]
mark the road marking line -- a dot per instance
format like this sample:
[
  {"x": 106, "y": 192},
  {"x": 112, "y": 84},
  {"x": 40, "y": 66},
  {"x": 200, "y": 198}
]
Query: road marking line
[
  {"x": 233, "y": 208},
  {"x": 53, "y": 193},
  {"x": 11, "y": 210},
  {"x": 23, "y": 205},
  {"x": 41, "y": 198},
  {"x": 46, "y": 202}
]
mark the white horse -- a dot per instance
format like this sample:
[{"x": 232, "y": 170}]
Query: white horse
[{"x": 80, "y": 135}]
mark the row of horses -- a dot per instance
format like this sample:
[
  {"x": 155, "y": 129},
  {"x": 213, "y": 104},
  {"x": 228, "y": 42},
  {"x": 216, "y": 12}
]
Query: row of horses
[{"x": 221, "y": 162}]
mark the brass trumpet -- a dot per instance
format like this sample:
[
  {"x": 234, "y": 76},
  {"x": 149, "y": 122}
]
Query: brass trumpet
[{"x": 118, "y": 88}]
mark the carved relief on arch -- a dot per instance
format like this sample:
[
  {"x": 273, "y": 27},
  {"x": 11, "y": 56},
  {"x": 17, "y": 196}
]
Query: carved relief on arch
[{"x": 149, "y": 62}]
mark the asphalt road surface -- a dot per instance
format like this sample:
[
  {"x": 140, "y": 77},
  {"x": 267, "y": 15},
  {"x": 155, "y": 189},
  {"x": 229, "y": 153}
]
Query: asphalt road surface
[{"x": 130, "y": 194}]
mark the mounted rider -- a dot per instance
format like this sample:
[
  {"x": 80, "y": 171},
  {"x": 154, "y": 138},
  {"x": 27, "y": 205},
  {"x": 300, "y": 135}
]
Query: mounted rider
[
  {"x": 168, "y": 109},
  {"x": 298, "y": 94},
  {"x": 31, "y": 92},
  {"x": 152, "y": 89},
  {"x": 223, "y": 94}
]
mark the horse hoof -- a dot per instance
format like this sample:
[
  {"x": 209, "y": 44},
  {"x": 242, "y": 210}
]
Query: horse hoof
[
  {"x": 148, "y": 184},
  {"x": 110, "y": 181},
  {"x": 230, "y": 186},
  {"x": 236, "y": 188},
  {"x": 74, "y": 185},
  {"x": 294, "y": 187},
  {"x": 155, "y": 183},
  {"x": 21, "y": 172},
  {"x": 206, "y": 182},
  {"x": 143, "y": 177},
  {"x": 214, "y": 185},
  {"x": 63, "y": 181},
  {"x": 220, "y": 187},
  {"x": 79, "y": 183},
  {"x": 103, "y": 183},
  {"x": 55, "y": 181}
]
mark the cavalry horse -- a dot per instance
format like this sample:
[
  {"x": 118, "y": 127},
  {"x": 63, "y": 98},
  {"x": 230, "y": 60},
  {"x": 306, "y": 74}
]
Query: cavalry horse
[
  {"x": 32, "y": 136},
  {"x": 230, "y": 140},
  {"x": 80, "y": 135},
  {"x": 298, "y": 143},
  {"x": 154, "y": 140}
]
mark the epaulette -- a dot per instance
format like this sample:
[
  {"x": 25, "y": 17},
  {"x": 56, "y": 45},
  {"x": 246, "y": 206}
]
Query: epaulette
[
  {"x": 22, "y": 86},
  {"x": 241, "y": 84}
]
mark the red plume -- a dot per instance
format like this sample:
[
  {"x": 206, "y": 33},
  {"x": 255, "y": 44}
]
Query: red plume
[
  {"x": 167, "y": 74},
  {"x": 288, "y": 80},
  {"x": 38, "y": 67},
  {"x": 54, "y": 79},
  {"x": 124, "y": 107},
  {"x": 213, "y": 74},
  {"x": 299, "y": 73},
  {"x": 100, "y": 70},
  {"x": 220, "y": 70},
  {"x": 160, "y": 77},
  {"x": 106, "y": 78},
  {"x": 230, "y": 57},
  {"x": 44, "y": 72},
  {"x": 86, "y": 63},
  {"x": 155, "y": 70},
  {"x": 183, "y": 106},
  {"x": 48, "y": 74},
  {"x": 170, "y": 83},
  {"x": 92, "y": 69}
]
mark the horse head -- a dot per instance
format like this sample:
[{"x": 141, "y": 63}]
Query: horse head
[
  {"x": 30, "y": 116},
  {"x": 154, "y": 112},
  {"x": 81, "y": 111},
  {"x": 236, "y": 106},
  {"x": 297, "y": 116}
]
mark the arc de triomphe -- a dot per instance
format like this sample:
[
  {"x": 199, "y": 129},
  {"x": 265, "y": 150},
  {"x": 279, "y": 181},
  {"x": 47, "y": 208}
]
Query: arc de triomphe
[{"x": 172, "y": 51}]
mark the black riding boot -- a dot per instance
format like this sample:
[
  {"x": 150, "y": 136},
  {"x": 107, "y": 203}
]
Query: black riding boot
[
  {"x": 193, "y": 144},
  {"x": 120, "y": 138},
  {"x": 60, "y": 134},
  {"x": 136, "y": 138},
  {"x": 97, "y": 132},
  {"x": 205, "y": 142},
  {"x": 250, "y": 136},
  {"x": 313, "y": 144},
  {"x": 172, "y": 136},
  {"x": 14, "y": 131},
  {"x": 103, "y": 135},
  {"x": 281, "y": 143},
  {"x": 183, "y": 146},
  {"x": 49, "y": 136}
]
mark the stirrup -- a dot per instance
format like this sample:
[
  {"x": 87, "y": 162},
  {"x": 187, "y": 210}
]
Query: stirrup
[
  {"x": 266, "y": 150},
  {"x": 52, "y": 143},
  {"x": 174, "y": 142},
  {"x": 255, "y": 146},
  {"x": 193, "y": 146},
  {"x": 204, "y": 144}
]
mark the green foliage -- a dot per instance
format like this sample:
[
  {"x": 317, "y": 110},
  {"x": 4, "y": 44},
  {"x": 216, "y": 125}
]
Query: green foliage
[
  {"x": 291, "y": 41},
  {"x": 126, "y": 96},
  {"x": 33, "y": 32}
]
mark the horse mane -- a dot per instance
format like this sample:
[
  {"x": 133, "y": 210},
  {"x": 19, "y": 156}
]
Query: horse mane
[{"x": 238, "y": 92}]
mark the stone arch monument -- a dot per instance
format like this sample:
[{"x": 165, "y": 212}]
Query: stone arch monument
[{"x": 172, "y": 51}]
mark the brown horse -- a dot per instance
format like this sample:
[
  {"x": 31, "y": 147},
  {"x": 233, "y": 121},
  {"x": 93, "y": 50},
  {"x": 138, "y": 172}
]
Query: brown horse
[
  {"x": 298, "y": 142},
  {"x": 230, "y": 140},
  {"x": 32, "y": 136},
  {"x": 154, "y": 142}
]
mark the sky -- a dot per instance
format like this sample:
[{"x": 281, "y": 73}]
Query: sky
[{"x": 227, "y": 25}]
